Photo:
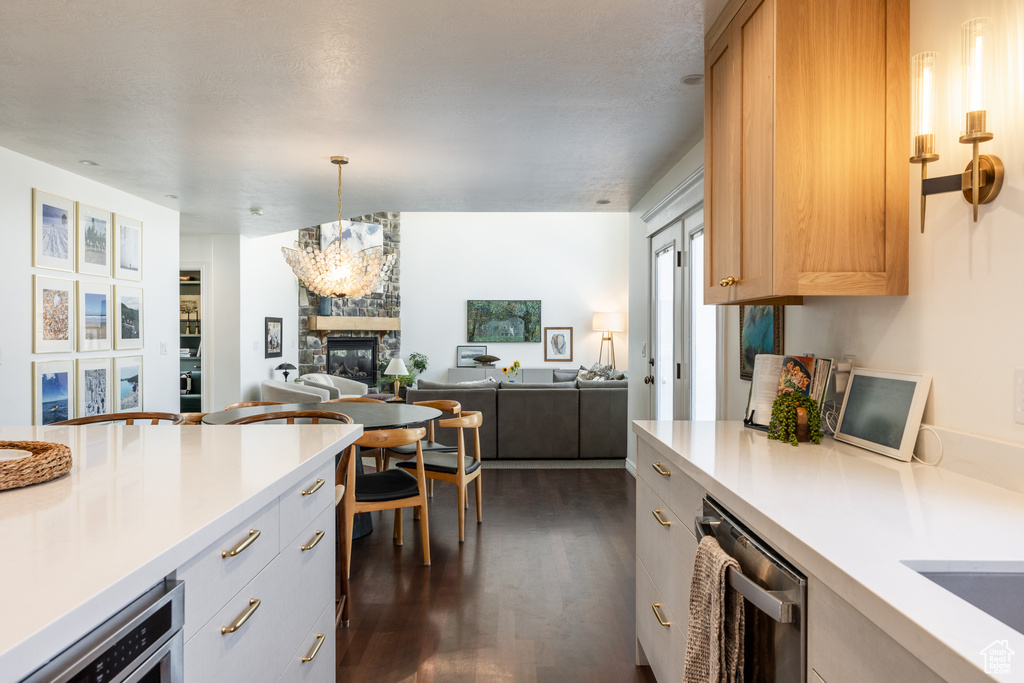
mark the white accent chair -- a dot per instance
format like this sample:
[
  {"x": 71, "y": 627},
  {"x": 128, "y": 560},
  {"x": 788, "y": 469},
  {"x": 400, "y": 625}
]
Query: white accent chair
[
  {"x": 337, "y": 387},
  {"x": 292, "y": 392}
]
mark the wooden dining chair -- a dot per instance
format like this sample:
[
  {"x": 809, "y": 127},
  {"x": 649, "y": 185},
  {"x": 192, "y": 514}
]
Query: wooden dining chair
[
  {"x": 251, "y": 404},
  {"x": 387, "y": 490},
  {"x": 289, "y": 416},
  {"x": 341, "y": 603},
  {"x": 127, "y": 418},
  {"x": 456, "y": 468},
  {"x": 429, "y": 444},
  {"x": 193, "y": 418}
]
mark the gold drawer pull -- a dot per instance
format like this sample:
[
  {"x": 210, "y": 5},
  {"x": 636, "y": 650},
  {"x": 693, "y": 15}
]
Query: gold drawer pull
[
  {"x": 662, "y": 521},
  {"x": 316, "y": 648},
  {"x": 657, "y": 467},
  {"x": 657, "y": 613},
  {"x": 314, "y": 488},
  {"x": 728, "y": 281},
  {"x": 312, "y": 544},
  {"x": 253, "y": 535},
  {"x": 254, "y": 605}
]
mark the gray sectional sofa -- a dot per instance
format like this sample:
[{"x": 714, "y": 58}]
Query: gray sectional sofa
[{"x": 526, "y": 421}]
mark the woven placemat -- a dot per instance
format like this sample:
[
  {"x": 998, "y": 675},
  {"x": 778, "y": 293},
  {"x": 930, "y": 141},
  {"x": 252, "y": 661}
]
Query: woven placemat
[{"x": 48, "y": 461}]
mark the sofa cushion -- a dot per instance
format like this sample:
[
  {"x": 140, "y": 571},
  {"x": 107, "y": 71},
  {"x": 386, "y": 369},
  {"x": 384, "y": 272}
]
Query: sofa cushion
[
  {"x": 345, "y": 387},
  {"x": 515, "y": 386},
  {"x": 565, "y": 375},
  {"x": 596, "y": 371},
  {"x": 479, "y": 384},
  {"x": 602, "y": 384}
]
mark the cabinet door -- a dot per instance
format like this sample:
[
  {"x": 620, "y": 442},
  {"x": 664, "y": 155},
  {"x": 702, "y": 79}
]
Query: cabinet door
[{"x": 739, "y": 174}]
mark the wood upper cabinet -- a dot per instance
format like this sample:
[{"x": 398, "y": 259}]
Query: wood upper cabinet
[{"x": 806, "y": 126}]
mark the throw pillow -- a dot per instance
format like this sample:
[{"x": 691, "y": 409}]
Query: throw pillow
[{"x": 564, "y": 375}]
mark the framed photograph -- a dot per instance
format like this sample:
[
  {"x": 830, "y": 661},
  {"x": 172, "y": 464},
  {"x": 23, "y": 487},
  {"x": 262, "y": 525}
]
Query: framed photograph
[
  {"x": 464, "y": 355},
  {"x": 128, "y": 308},
  {"x": 273, "y": 334},
  {"x": 760, "y": 332},
  {"x": 127, "y": 248},
  {"x": 882, "y": 411},
  {"x": 93, "y": 320},
  {"x": 558, "y": 344},
  {"x": 94, "y": 249},
  {"x": 54, "y": 319},
  {"x": 53, "y": 231},
  {"x": 94, "y": 387},
  {"x": 128, "y": 384},
  {"x": 54, "y": 391},
  {"x": 503, "y": 321}
]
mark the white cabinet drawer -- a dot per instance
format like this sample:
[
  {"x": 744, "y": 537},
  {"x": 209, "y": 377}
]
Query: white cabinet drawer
[
  {"x": 320, "y": 668},
  {"x": 300, "y": 505},
  {"x": 667, "y": 552},
  {"x": 665, "y": 646},
  {"x": 253, "y": 652},
  {"x": 211, "y": 578},
  {"x": 682, "y": 493}
]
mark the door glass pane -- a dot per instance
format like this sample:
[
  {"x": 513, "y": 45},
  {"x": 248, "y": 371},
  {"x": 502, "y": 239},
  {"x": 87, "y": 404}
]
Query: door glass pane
[
  {"x": 664, "y": 315},
  {"x": 703, "y": 339}
]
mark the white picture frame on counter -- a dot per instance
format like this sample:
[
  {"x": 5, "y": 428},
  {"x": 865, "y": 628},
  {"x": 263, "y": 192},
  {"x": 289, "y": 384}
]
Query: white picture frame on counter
[{"x": 882, "y": 411}]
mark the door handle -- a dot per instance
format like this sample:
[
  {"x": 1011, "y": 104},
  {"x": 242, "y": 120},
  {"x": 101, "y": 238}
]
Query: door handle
[{"x": 649, "y": 379}]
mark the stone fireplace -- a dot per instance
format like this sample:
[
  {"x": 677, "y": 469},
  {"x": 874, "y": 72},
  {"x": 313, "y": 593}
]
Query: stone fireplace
[{"x": 353, "y": 358}]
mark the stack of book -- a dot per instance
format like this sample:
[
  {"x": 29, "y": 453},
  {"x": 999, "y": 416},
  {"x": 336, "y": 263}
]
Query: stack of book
[{"x": 775, "y": 374}]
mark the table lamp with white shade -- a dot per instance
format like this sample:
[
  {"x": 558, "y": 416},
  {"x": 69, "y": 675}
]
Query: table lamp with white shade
[
  {"x": 396, "y": 368},
  {"x": 607, "y": 323}
]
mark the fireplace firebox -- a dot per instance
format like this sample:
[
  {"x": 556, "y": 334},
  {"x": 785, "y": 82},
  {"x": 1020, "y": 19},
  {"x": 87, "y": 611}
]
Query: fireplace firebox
[{"x": 353, "y": 358}]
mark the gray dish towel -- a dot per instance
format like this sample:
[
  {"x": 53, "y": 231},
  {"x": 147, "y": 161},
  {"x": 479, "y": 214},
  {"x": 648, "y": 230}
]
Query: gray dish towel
[{"x": 714, "y": 637}]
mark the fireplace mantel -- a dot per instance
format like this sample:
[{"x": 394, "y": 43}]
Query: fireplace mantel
[{"x": 323, "y": 324}]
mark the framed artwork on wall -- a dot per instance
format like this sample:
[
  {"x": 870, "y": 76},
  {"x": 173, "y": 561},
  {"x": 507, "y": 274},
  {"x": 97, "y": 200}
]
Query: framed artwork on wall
[
  {"x": 128, "y": 384},
  {"x": 94, "y": 248},
  {"x": 760, "y": 332},
  {"x": 54, "y": 394},
  {"x": 273, "y": 336},
  {"x": 503, "y": 320},
  {"x": 54, "y": 319},
  {"x": 127, "y": 248},
  {"x": 94, "y": 385},
  {"x": 93, "y": 317},
  {"x": 53, "y": 231},
  {"x": 128, "y": 323},
  {"x": 464, "y": 355},
  {"x": 558, "y": 344}
]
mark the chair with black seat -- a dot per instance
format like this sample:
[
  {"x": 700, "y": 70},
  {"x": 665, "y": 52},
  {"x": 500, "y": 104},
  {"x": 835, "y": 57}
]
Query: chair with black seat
[
  {"x": 127, "y": 418},
  {"x": 456, "y": 468},
  {"x": 429, "y": 444},
  {"x": 289, "y": 416},
  {"x": 388, "y": 490}
]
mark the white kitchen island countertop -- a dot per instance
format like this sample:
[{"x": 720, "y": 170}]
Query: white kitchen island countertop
[
  {"x": 853, "y": 519},
  {"x": 138, "y": 502}
]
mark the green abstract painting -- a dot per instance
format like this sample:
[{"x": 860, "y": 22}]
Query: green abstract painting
[{"x": 502, "y": 321}]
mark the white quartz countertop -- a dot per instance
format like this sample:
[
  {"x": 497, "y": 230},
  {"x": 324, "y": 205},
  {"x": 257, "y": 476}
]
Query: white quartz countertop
[
  {"x": 853, "y": 518},
  {"x": 138, "y": 502}
]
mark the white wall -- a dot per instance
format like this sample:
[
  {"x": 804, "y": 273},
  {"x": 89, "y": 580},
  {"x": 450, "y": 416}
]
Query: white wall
[
  {"x": 18, "y": 175},
  {"x": 575, "y": 263}
]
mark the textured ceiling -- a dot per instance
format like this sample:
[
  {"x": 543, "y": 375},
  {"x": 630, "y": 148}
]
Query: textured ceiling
[{"x": 441, "y": 105}]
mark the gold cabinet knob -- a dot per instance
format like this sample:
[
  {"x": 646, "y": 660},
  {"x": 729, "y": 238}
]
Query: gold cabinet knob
[{"x": 728, "y": 281}]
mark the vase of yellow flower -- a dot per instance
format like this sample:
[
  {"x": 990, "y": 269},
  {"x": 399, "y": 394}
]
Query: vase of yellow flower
[{"x": 512, "y": 371}]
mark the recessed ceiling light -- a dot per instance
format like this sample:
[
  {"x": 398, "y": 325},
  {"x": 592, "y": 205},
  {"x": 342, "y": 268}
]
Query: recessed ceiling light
[
  {"x": 171, "y": 196},
  {"x": 256, "y": 212},
  {"x": 604, "y": 201},
  {"x": 692, "y": 79},
  {"x": 86, "y": 162}
]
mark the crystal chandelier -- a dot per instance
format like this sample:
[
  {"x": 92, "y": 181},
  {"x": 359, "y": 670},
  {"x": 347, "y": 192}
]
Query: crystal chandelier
[{"x": 337, "y": 270}]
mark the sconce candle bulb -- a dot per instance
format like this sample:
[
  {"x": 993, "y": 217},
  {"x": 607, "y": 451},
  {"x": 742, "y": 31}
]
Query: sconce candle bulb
[{"x": 922, "y": 73}]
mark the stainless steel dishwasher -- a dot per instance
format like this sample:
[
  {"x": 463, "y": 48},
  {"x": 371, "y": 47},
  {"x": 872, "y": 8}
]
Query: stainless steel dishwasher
[{"x": 775, "y": 596}]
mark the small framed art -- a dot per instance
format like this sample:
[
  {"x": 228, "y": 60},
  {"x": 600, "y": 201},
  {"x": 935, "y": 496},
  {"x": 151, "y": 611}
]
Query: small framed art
[
  {"x": 128, "y": 386},
  {"x": 54, "y": 391},
  {"x": 760, "y": 332},
  {"x": 273, "y": 334},
  {"x": 127, "y": 248},
  {"x": 94, "y": 385},
  {"x": 53, "y": 231},
  {"x": 464, "y": 355},
  {"x": 558, "y": 344},
  {"x": 93, "y": 317},
  {"x": 54, "y": 328},
  {"x": 94, "y": 249},
  {"x": 128, "y": 323}
]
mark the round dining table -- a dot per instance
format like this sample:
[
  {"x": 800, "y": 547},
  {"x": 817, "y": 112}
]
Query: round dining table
[{"x": 370, "y": 415}]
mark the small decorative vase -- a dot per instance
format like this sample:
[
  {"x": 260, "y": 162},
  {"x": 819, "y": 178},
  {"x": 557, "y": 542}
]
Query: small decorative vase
[{"x": 325, "y": 305}]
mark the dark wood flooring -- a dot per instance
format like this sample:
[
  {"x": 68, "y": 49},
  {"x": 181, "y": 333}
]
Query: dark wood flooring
[{"x": 542, "y": 591}]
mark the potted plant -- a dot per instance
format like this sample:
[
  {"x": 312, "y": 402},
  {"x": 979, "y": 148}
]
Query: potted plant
[{"x": 795, "y": 418}]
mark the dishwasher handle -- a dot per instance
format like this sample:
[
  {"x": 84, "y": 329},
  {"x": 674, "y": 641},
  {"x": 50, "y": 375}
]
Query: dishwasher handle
[{"x": 769, "y": 602}]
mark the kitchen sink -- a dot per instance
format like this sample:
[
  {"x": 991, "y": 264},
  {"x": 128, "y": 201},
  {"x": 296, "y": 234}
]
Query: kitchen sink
[{"x": 999, "y": 594}]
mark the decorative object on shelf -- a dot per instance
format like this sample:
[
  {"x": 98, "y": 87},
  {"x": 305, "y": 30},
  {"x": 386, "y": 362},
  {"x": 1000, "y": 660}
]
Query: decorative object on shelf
[
  {"x": 336, "y": 269},
  {"x": 512, "y": 371},
  {"x": 503, "y": 320},
  {"x": 788, "y": 421},
  {"x": 607, "y": 323},
  {"x": 983, "y": 178},
  {"x": 485, "y": 361},
  {"x": 127, "y": 248},
  {"x": 273, "y": 334},
  {"x": 285, "y": 367},
  {"x": 93, "y": 318},
  {"x": 392, "y": 300},
  {"x": 32, "y": 462},
  {"x": 128, "y": 307},
  {"x": 396, "y": 368},
  {"x": 558, "y": 344},
  {"x": 325, "y": 307},
  {"x": 53, "y": 236},
  {"x": 128, "y": 373},
  {"x": 189, "y": 304},
  {"x": 94, "y": 249},
  {"x": 465, "y": 356},
  {"x": 54, "y": 328},
  {"x": 54, "y": 383},
  {"x": 760, "y": 332}
]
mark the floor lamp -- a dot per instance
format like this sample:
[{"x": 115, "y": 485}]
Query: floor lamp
[{"x": 607, "y": 323}]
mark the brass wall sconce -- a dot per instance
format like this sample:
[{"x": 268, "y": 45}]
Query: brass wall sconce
[{"x": 981, "y": 181}]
